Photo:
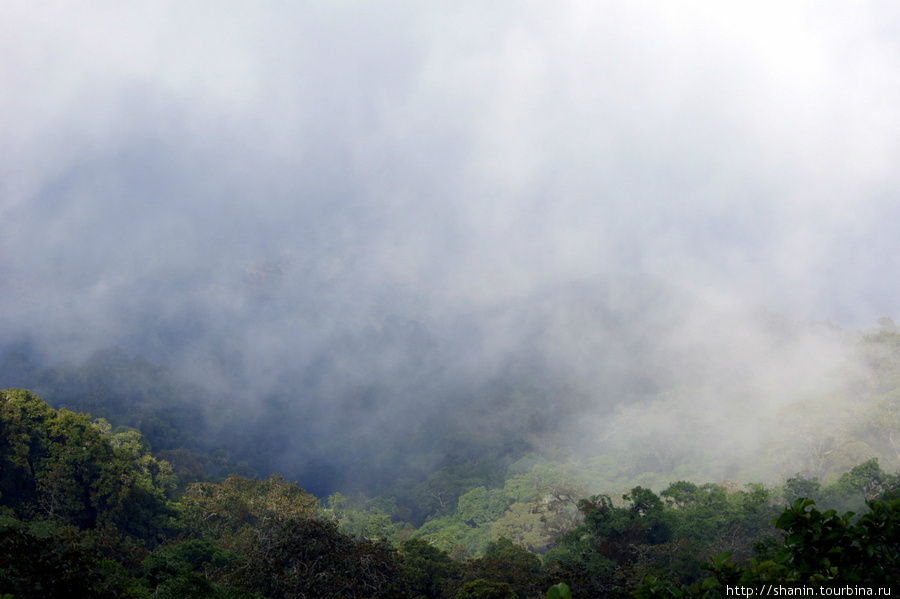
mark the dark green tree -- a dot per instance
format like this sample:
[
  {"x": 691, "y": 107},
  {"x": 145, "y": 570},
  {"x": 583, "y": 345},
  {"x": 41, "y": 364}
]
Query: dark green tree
[
  {"x": 427, "y": 570},
  {"x": 42, "y": 560},
  {"x": 504, "y": 561},
  {"x": 306, "y": 557},
  {"x": 60, "y": 466},
  {"x": 231, "y": 510},
  {"x": 824, "y": 547},
  {"x": 486, "y": 589}
]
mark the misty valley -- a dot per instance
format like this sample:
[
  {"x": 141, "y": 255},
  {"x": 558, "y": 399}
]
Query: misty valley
[
  {"x": 449, "y": 300},
  {"x": 576, "y": 442}
]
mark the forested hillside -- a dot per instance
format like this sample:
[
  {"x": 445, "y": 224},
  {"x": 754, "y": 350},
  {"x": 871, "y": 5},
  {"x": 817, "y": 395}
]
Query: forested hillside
[
  {"x": 447, "y": 300},
  {"x": 85, "y": 511},
  {"x": 127, "y": 487},
  {"x": 647, "y": 392}
]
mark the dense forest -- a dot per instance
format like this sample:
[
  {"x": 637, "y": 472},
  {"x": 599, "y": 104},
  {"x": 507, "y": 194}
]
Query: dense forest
[{"x": 125, "y": 485}]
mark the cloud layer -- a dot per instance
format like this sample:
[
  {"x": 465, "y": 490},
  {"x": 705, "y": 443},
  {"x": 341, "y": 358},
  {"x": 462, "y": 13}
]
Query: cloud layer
[{"x": 222, "y": 183}]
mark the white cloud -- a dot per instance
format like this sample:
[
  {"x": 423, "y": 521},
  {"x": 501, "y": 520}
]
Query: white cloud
[{"x": 478, "y": 151}]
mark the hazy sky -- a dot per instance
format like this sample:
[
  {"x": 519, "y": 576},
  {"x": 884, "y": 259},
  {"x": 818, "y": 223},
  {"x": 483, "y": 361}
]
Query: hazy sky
[
  {"x": 408, "y": 219},
  {"x": 424, "y": 155}
]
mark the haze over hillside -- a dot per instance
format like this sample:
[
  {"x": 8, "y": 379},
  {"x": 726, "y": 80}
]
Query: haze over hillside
[{"x": 357, "y": 224}]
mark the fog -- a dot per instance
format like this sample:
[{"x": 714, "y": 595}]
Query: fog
[{"x": 389, "y": 215}]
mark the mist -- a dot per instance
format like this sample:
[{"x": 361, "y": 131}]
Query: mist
[{"x": 380, "y": 218}]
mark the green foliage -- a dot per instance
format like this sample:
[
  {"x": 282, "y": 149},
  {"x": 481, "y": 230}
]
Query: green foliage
[
  {"x": 439, "y": 493},
  {"x": 60, "y": 466},
  {"x": 83, "y": 496},
  {"x": 817, "y": 547},
  {"x": 880, "y": 351},
  {"x": 46, "y": 560},
  {"x": 24, "y": 443},
  {"x": 504, "y": 561},
  {"x": 231, "y": 511},
  {"x": 543, "y": 506},
  {"x": 426, "y": 570},
  {"x": 524, "y": 525},
  {"x": 614, "y": 532},
  {"x": 662, "y": 537},
  {"x": 480, "y": 506},
  {"x": 310, "y": 558},
  {"x": 866, "y": 479},
  {"x": 467, "y": 531},
  {"x": 849, "y": 491},
  {"x": 453, "y": 535},
  {"x": 189, "y": 569},
  {"x": 127, "y": 390},
  {"x": 485, "y": 589},
  {"x": 703, "y": 511},
  {"x": 371, "y": 519},
  {"x": 799, "y": 487},
  {"x": 828, "y": 546},
  {"x": 130, "y": 391},
  {"x": 539, "y": 481},
  {"x": 559, "y": 591}
]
